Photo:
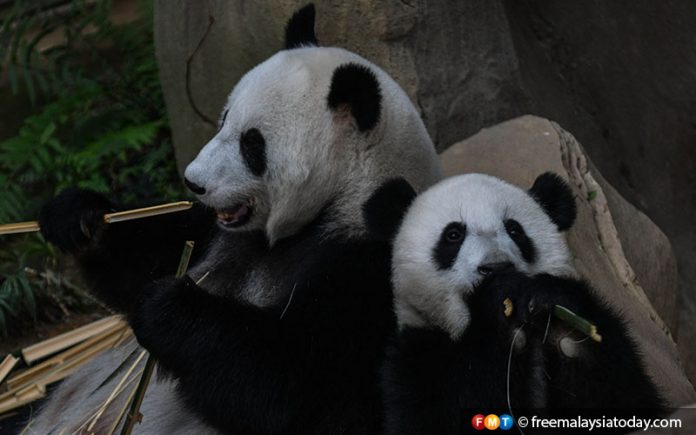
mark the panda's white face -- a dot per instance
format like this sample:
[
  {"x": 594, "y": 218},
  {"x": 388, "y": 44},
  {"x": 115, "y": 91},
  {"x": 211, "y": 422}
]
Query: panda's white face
[
  {"x": 284, "y": 153},
  {"x": 460, "y": 231},
  {"x": 272, "y": 118}
]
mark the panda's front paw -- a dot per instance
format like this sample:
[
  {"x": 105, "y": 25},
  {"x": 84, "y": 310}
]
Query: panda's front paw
[
  {"x": 515, "y": 299},
  {"x": 160, "y": 301},
  {"x": 73, "y": 218}
]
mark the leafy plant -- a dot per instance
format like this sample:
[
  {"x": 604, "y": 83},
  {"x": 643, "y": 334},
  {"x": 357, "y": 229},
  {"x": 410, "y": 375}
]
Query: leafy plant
[{"x": 98, "y": 123}]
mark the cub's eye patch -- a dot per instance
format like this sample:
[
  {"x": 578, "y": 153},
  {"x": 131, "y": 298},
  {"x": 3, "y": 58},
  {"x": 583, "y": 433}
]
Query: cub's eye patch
[
  {"x": 447, "y": 247},
  {"x": 252, "y": 146},
  {"x": 523, "y": 242}
]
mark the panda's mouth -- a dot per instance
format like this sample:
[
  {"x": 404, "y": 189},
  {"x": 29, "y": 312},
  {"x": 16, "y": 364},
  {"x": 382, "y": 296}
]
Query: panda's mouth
[{"x": 237, "y": 215}]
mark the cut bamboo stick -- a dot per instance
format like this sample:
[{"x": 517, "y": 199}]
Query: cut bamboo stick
[
  {"x": 36, "y": 388},
  {"x": 139, "y": 213},
  {"x": 122, "y": 412},
  {"x": 69, "y": 366},
  {"x": 134, "y": 416},
  {"x": 19, "y": 227},
  {"x": 109, "y": 218},
  {"x": 579, "y": 323},
  {"x": 6, "y": 366},
  {"x": 14, "y": 402},
  {"x": 27, "y": 376},
  {"x": 30, "y": 385},
  {"x": 67, "y": 358},
  {"x": 70, "y": 338},
  {"x": 116, "y": 392}
]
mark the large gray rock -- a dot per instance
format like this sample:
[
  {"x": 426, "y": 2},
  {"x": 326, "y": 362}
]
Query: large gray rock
[
  {"x": 603, "y": 239},
  {"x": 620, "y": 75}
]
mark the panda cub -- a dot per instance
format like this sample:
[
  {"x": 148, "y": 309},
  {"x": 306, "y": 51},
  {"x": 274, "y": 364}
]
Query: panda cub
[
  {"x": 468, "y": 248},
  {"x": 280, "y": 325}
]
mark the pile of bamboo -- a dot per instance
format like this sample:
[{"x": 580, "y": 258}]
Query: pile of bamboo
[
  {"x": 60, "y": 356},
  {"x": 54, "y": 359}
]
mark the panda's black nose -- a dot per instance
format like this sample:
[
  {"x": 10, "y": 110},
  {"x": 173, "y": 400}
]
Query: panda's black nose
[
  {"x": 193, "y": 187},
  {"x": 499, "y": 267}
]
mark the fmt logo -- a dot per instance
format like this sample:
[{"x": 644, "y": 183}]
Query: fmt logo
[{"x": 491, "y": 422}]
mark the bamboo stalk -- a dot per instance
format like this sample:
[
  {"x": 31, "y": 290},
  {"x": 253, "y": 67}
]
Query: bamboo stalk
[
  {"x": 30, "y": 385},
  {"x": 6, "y": 366},
  {"x": 579, "y": 323},
  {"x": 185, "y": 258},
  {"x": 122, "y": 412},
  {"x": 134, "y": 416},
  {"x": 26, "y": 377},
  {"x": 125, "y": 335},
  {"x": 140, "y": 213},
  {"x": 115, "y": 393},
  {"x": 13, "y": 402},
  {"x": 109, "y": 218},
  {"x": 74, "y": 363},
  {"x": 60, "y": 367},
  {"x": 63, "y": 341},
  {"x": 19, "y": 227}
]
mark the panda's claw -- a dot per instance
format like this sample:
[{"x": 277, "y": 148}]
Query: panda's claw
[{"x": 73, "y": 218}]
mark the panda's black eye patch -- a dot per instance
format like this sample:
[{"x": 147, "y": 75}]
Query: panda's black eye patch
[
  {"x": 447, "y": 247},
  {"x": 523, "y": 242},
  {"x": 252, "y": 145}
]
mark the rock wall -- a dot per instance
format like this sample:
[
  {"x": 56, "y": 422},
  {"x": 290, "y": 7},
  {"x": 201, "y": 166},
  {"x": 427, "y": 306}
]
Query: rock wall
[
  {"x": 620, "y": 75},
  {"x": 450, "y": 57}
]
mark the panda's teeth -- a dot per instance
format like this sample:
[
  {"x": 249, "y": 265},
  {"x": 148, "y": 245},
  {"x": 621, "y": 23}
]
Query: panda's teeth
[{"x": 234, "y": 216}]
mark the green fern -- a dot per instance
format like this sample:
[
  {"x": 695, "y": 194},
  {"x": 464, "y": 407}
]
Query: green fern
[{"x": 99, "y": 123}]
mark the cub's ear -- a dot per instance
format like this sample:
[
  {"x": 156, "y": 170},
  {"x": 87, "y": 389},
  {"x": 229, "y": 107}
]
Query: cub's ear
[
  {"x": 299, "y": 32},
  {"x": 386, "y": 208},
  {"x": 355, "y": 87},
  {"x": 556, "y": 198}
]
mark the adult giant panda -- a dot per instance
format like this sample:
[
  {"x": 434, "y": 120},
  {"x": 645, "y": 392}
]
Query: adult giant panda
[
  {"x": 478, "y": 266},
  {"x": 280, "y": 326}
]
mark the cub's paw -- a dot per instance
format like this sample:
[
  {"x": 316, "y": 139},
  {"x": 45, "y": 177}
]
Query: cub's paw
[
  {"x": 515, "y": 299},
  {"x": 73, "y": 218}
]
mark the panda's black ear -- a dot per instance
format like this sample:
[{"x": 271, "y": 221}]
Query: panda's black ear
[
  {"x": 355, "y": 87},
  {"x": 556, "y": 198},
  {"x": 385, "y": 209},
  {"x": 299, "y": 32}
]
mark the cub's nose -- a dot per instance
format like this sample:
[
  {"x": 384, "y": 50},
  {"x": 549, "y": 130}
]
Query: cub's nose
[
  {"x": 193, "y": 187},
  {"x": 491, "y": 268}
]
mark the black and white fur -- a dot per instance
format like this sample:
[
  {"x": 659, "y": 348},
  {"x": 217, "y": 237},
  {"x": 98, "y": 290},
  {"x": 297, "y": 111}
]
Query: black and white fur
[
  {"x": 285, "y": 331},
  {"x": 465, "y": 246}
]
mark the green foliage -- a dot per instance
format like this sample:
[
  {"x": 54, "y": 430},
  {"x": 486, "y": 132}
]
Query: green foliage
[
  {"x": 16, "y": 291},
  {"x": 98, "y": 123}
]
